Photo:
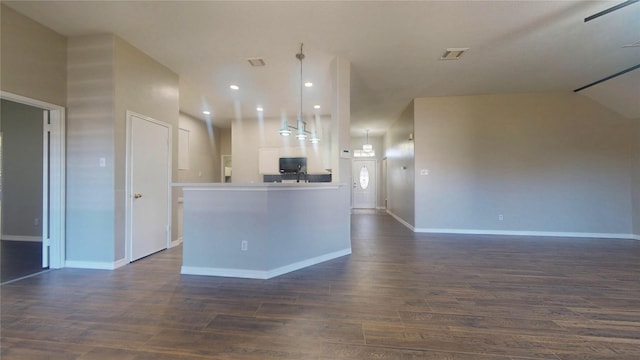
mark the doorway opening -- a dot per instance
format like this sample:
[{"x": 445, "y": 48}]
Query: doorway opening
[{"x": 31, "y": 187}]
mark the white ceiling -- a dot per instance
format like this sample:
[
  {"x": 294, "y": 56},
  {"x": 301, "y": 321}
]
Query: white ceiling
[{"x": 393, "y": 46}]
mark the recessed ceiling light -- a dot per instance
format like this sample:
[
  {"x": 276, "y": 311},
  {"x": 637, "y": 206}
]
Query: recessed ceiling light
[
  {"x": 206, "y": 112},
  {"x": 316, "y": 106},
  {"x": 259, "y": 108},
  {"x": 256, "y": 62},
  {"x": 234, "y": 87},
  {"x": 453, "y": 53},
  {"x": 308, "y": 84}
]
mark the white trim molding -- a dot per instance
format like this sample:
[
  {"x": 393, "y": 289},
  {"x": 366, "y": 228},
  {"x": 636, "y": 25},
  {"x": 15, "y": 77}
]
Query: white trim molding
[
  {"x": 22, "y": 238},
  {"x": 262, "y": 274},
  {"x": 401, "y": 221},
  {"x": 176, "y": 242},
  {"x": 527, "y": 233},
  {"x": 635, "y": 237},
  {"x": 97, "y": 265}
]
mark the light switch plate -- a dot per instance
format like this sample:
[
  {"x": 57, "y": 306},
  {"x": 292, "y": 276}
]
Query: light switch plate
[{"x": 424, "y": 172}]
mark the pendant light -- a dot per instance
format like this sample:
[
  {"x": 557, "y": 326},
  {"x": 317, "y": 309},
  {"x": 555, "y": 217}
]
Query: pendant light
[{"x": 301, "y": 126}]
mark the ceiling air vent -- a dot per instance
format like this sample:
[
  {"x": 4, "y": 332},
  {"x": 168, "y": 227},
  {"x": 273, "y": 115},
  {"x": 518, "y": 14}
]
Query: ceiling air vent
[
  {"x": 453, "y": 53},
  {"x": 256, "y": 62}
]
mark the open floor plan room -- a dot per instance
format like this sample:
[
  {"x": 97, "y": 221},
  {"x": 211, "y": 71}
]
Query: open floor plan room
[{"x": 400, "y": 295}]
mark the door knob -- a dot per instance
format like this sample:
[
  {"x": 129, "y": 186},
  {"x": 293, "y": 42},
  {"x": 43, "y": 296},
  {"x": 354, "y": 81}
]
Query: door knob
[{"x": 137, "y": 196}]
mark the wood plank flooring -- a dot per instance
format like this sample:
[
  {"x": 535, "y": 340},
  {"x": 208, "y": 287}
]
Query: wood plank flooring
[{"x": 398, "y": 296}]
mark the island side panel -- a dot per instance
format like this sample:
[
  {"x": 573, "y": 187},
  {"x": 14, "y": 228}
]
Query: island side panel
[
  {"x": 215, "y": 224},
  {"x": 286, "y": 228},
  {"x": 307, "y": 227}
]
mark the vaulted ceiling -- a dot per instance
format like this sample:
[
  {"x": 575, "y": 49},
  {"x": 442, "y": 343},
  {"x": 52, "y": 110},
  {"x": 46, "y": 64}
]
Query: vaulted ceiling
[{"x": 394, "y": 48}]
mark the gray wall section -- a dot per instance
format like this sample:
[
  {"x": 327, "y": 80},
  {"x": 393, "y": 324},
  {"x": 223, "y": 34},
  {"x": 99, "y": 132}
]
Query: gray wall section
[
  {"x": 204, "y": 151},
  {"x": 399, "y": 151},
  {"x": 90, "y": 136},
  {"x": 33, "y": 57},
  {"x": 547, "y": 162},
  {"x": 287, "y": 226},
  {"x": 635, "y": 180},
  {"x": 21, "y": 127}
]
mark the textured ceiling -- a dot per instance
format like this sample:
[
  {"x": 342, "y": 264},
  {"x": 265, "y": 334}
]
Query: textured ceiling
[{"x": 393, "y": 46}]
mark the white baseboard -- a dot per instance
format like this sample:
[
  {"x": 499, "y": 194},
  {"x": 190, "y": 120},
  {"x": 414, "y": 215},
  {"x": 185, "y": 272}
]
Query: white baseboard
[
  {"x": 400, "y": 220},
  {"x": 175, "y": 243},
  {"x": 309, "y": 262},
  {"x": 98, "y": 265},
  {"x": 262, "y": 274},
  {"x": 120, "y": 263},
  {"x": 635, "y": 237},
  {"x": 22, "y": 238},
  {"x": 527, "y": 233},
  {"x": 381, "y": 208}
]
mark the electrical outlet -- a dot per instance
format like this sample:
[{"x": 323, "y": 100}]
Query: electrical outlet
[
  {"x": 424, "y": 172},
  {"x": 500, "y": 217},
  {"x": 244, "y": 245}
]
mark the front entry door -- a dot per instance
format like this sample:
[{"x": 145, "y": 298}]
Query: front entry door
[
  {"x": 364, "y": 184},
  {"x": 149, "y": 186}
]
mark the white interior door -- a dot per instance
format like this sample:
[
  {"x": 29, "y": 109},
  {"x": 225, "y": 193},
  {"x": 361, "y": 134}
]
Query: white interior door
[
  {"x": 364, "y": 184},
  {"x": 149, "y": 186}
]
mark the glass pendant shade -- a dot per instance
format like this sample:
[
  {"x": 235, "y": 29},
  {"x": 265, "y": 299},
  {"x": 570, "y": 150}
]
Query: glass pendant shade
[
  {"x": 314, "y": 138},
  {"x": 284, "y": 129},
  {"x": 301, "y": 130}
]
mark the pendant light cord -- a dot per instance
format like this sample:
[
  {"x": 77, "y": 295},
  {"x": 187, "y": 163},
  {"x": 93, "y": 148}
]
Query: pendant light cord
[{"x": 300, "y": 56}]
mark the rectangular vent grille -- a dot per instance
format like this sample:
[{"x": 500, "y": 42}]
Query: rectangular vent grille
[
  {"x": 453, "y": 53},
  {"x": 256, "y": 62}
]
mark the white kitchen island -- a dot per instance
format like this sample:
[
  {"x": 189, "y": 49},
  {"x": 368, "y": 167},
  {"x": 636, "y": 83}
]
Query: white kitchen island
[{"x": 263, "y": 230}]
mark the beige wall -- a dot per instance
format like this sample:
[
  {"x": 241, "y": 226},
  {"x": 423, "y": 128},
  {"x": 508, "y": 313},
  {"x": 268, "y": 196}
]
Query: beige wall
[
  {"x": 399, "y": 151},
  {"x": 107, "y": 77},
  {"x": 33, "y": 58},
  {"x": 90, "y": 136},
  {"x": 225, "y": 141},
  {"x": 635, "y": 180},
  {"x": 204, "y": 151},
  {"x": 554, "y": 163},
  {"x": 250, "y": 135},
  {"x": 340, "y": 120}
]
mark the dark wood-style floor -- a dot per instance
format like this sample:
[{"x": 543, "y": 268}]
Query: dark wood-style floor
[{"x": 399, "y": 296}]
